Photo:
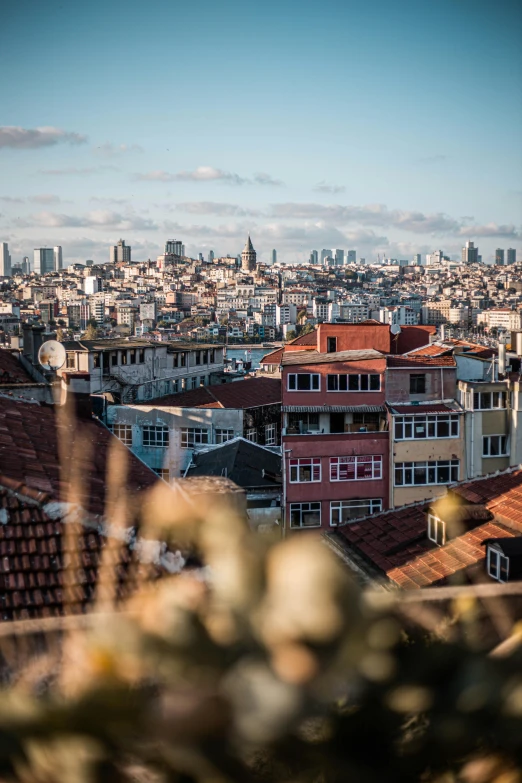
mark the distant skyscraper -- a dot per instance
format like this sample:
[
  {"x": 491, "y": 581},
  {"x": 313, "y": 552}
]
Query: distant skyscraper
[
  {"x": 435, "y": 258},
  {"x": 26, "y": 266},
  {"x": 5, "y": 260},
  {"x": 470, "y": 253},
  {"x": 58, "y": 258},
  {"x": 417, "y": 259},
  {"x": 120, "y": 253},
  {"x": 511, "y": 255},
  {"x": 43, "y": 260},
  {"x": 351, "y": 257},
  {"x": 324, "y": 254},
  {"x": 210, "y": 256},
  {"x": 314, "y": 257},
  {"x": 338, "y": 254},
  {"x": 499, "y": 256},
  {"x": 274, "y": 256},
  {"x": 248, "y": 257},
  {"x": 174, "y": 247}
]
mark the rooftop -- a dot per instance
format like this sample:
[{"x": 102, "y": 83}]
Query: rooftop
[
  {"x": 248, "y": 393},
  {"x": 314, "y": 357},
  {"x": 11, "y": 370},
  {"x": 243, "y": 462}
]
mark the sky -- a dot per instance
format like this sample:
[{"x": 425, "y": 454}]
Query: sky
[{"x": 391, "y": 128}]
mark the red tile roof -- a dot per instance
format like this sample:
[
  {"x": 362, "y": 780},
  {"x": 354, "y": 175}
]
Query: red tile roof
[
  {"x": 274, "y": 357},
  {"x": 11, "y": 370},
  {"x": 305, "y": 339},
  {"x": 249, "y": 393},
  {"x": 431, "y": 350},
  {"x": 29, "y": 447},
  {"x": 420, "y": 361}
]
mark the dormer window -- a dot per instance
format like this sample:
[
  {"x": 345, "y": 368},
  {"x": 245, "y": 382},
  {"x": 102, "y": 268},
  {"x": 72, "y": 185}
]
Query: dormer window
[
  {"x": 436, "y": 530},
  {"x": 498, "y": 565}
]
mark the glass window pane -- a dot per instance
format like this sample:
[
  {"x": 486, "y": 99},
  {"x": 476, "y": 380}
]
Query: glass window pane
[{"x": 353, "y": 383}]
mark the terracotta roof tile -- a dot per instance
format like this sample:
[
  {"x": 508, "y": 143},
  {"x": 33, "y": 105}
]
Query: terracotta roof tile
[
  {"x": 420, "y": 361},
  {"x": 249, "y": 393},
  {"x": 11, "y": 370}
]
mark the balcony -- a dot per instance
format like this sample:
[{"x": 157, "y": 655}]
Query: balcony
[{"x": 334, "y": 423}]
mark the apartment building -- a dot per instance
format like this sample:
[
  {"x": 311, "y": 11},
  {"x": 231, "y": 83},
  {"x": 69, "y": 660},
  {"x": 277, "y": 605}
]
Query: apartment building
[{"x": 335, "y": 440}]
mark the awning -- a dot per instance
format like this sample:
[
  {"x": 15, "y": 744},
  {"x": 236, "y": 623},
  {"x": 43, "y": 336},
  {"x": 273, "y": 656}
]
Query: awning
[{"x": 333, "y": 409}]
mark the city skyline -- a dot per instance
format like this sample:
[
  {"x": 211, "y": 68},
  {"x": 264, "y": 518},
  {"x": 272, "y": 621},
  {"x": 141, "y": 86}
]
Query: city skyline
[{"x": 383, "y": 147}]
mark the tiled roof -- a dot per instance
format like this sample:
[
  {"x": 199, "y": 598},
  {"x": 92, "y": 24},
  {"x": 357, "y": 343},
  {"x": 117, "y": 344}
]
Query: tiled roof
[
  {"x": 396, "y": 541},
  {"x": 411, "y": 410},
  {"x": 431, "y": 350},
  {"x": 29, "y": 447},
  {"x": 248, "y": 393},
  {"x": 440, "y": 562},
  {"x": 274, "y": 357},
  {"x": 11, "y": 370},
  {"x": 305, "y": 339},
  {"x": 314, "y": 357},
  {"x": 420, "y": 361}
]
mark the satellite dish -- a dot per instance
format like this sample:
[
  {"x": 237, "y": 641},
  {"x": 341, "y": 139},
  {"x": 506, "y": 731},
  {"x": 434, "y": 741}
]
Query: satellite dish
[
  {"x": 51, "y": 355},
  {"x": 395, "y": 329}
]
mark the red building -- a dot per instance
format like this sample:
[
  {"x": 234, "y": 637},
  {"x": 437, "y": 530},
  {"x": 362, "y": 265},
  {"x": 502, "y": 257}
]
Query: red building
[{"x": 335, "y": 436}]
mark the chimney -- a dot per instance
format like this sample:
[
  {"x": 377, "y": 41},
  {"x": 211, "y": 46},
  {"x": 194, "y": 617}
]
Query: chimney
[
  {"x": 76, "y": 389},
  {"x": 38, "y": 338},
  {"x": 28, "y": 341},
  {"x": 501, "y": 357}
]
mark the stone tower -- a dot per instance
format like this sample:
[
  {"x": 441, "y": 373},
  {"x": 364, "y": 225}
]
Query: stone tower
[{"x": 248, "y": 257}]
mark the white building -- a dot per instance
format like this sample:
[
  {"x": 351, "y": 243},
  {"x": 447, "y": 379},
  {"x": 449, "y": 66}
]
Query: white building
[
  {"x": 5, "y": 260},
  {"x": 92, "y": 284},
  {"x": 57, "y": 258}
]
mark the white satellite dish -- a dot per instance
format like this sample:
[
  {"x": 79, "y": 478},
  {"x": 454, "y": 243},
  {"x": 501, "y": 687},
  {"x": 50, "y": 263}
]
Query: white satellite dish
[
  {"x": 51, "y": 355},
  {"x": 395, "y": 329}
]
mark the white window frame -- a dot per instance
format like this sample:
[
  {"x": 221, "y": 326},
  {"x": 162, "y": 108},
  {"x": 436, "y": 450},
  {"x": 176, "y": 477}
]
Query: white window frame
[
  {"x": 340, "y": 466},
  {"x": 409, "y": 424},
  {"x": 436, "y": 530},
  {"x": 160, "y": 436},
  {"x": 123, "y": 432},
  {"x": 193, "y": 436},
  {"x": 374, "y": 506},
  {"x": 494, "y": 554},
  {"x": 295, "y": 466},
  {"x": 346, "y": 382},
  {"x": 486, "y": 446},
  {"x": 251, "y": 435},
  {"x": 271, "y": 435},
  {"x": 498, "y": 397},
  {"x": 162, "y": 473},
  {"x": 224, "y": 435},
  {"x": 292, "y": 382},
  {"x": 408, "y": 468},
  {"x": 303, "y": 508}
]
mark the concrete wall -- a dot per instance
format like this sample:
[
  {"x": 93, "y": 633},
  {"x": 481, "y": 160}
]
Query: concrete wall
[
  {"x": 441, "y": 384},
  {"x": 426, "y": 450},
  {"x": 174, "y": 458},
  {"x": 324, "y": 397}
]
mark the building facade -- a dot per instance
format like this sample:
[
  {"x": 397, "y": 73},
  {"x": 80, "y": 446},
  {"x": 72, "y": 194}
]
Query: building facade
[{"x": 43, "y": 260}]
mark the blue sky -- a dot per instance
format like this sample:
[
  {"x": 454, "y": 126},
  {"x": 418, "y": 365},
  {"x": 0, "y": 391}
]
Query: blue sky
[{"x": 390, "y": 128}]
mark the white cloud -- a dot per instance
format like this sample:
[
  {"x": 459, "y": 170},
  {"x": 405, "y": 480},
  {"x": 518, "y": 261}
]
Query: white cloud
[
  {"x": 216, "y": 208},
  {"x": 265, "y": 179},
  {"x": 324, "y": 187},
  {"x": 105, "y": 219},
  {"x": 11, "y": 200},
  {"x": 114, "y": 150},
  {"x": 491, "y": 230},
  {"x": 72, "y": 171},
  {"x": 45, "y": 198},
  {"x": 209, "y": 174},
  {"x": 14, "y": 137}
]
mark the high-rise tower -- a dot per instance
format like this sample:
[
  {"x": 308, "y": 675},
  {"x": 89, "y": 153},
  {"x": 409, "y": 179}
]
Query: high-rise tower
[
  {"x": 5, "y": 260},
  {"x": 248, "y": 257}
]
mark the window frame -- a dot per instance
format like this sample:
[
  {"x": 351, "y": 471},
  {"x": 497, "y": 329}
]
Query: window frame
[
  {"x": 436, "y": 530},
  {"x": 486, "y": 440},
  {"x": 251, "y": 434},
  {"x": 224, "y": 434},
  {"x": 162, "y": 473},
  {"x": 127, "y": 436},
  {"x": 296, "y": 375},
  {"x": 340, "y": 505},
  {"x": 270, "y": 434},
  {"x": 155, "y": 430},
  {"x": 334, "y": 386},
  {"x": 300, "y": 508},
  {"x": 498, "y": 565},
  {"x": 202, "y": 438},
  {"x": 431, "y": 421},
  {"x": 297, "y": 465},
  {"x": 501, "y": 397},
  {"x": 357, "y": 460},
  {"x": 431, "y": 467},
  {"x": 420, "y": 379}
]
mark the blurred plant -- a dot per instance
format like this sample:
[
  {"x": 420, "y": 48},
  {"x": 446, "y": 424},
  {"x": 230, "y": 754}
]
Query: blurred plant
[{"x": 267, "y": 664}]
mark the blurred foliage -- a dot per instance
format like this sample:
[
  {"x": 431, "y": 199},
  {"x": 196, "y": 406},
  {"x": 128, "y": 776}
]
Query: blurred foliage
[{"x": 268, "y": 664}]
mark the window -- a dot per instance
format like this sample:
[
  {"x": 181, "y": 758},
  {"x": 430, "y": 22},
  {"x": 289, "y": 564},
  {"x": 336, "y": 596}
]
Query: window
[
  {"x": 331, "y": 344},
  {"x": 430, "y": 425},
  {"x": 494, "y": 446},
  {"x": 303, "y": 422},
  {"x": 304, "y": 381},
  {"x": 123, "y": 432},
  {"x": 305, "y": 515},
  {"x": 436, "y": 530},
  {"x": 417, "y": 384},
  {"x": 357, "y": 468},
  {"x": 141, "y": 355},
  {"x": 163, "y": 473},
  {"x": 498, "y": 565},
  {"x": 193, "y": 436},
  {"x": 442, "y": 471},
  {"x": 71, "y": 361},
  {"x": 223, "y": 435},
  {"x": 345, "y": 511},
  {"x": 96, "y": 360},
  {"x": 132, "y": 357},
  {"x": 270, "y": 435},
  {"x": 305, "y": 470},
  {"x": 351, "y": 382},
  {"x": 251, "y": 435},
  {"x": 114, "y": 359},
  {"x": 124, "y": 357},
  {"x": 483, "y": 401},
  {"x": 157, "y": 437}
]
